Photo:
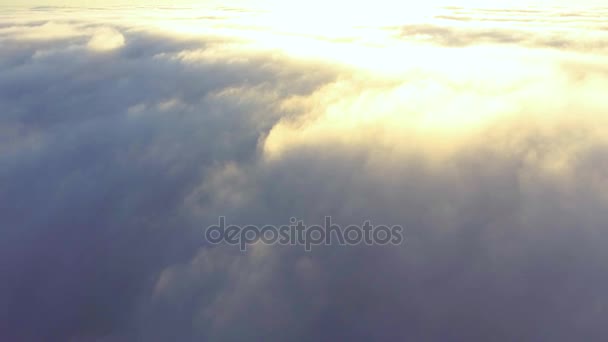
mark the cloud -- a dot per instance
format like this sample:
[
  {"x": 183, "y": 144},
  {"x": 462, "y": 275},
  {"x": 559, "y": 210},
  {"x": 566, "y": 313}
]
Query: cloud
[
  {"x": 535, "y": 28},
  {"x": 106, "y": 39},
  {"x": 446, "y": 35},
  {"x": 114, "y": 160}
]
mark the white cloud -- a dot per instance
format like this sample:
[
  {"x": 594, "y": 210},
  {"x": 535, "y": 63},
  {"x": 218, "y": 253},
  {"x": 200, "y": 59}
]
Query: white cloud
[{"x": 106, "y": 39}]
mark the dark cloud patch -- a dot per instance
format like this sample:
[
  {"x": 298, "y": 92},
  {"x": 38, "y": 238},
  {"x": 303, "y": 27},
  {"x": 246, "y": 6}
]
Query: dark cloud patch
[
  {"x": 450, "y": 36},
  {"x": 534, "y": 28},
  {"x": 472, "y": 18},
  {"x": 447, "y": 36},
  {"x": 92, "y": 184},
  {"x": 491, "y": 249}
]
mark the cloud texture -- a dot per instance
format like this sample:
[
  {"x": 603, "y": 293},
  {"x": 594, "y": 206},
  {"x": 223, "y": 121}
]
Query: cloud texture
[{"x": 120, "y": 141}]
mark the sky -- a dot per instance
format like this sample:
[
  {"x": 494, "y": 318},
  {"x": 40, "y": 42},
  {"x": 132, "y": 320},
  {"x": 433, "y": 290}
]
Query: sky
[
  {"x": 126, "y": 130},
  {"x": 253, "y": 3}
]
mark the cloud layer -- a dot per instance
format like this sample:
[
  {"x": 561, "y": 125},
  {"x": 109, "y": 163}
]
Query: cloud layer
[{"x": 121, "y": 140}]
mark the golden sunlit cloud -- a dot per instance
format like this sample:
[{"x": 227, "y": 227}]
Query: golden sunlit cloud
[{"x": 106, "y": 39}]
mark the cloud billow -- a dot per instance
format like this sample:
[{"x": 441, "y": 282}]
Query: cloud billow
[{"x": 119, "y": 145}]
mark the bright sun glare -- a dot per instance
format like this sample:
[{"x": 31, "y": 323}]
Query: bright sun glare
[{"x": 368, "y": 38}]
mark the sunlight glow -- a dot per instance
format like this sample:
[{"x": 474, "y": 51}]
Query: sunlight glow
[{"x": 395, "y": 60}]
